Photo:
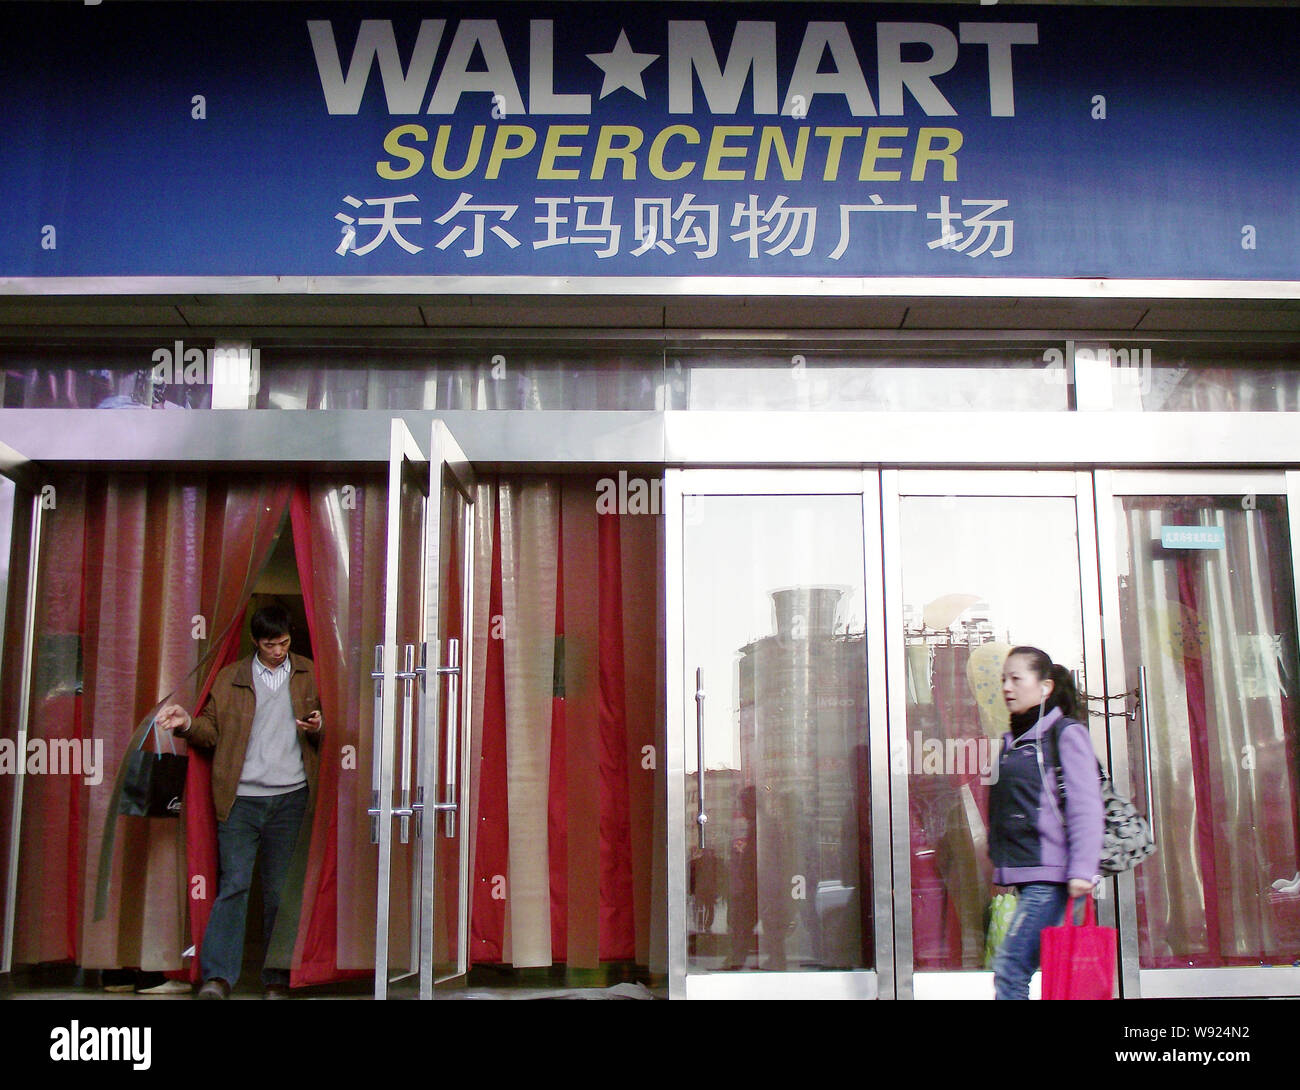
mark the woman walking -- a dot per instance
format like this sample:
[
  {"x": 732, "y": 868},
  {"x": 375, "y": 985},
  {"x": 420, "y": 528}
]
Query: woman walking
[{"x": 1045, "y": 846}]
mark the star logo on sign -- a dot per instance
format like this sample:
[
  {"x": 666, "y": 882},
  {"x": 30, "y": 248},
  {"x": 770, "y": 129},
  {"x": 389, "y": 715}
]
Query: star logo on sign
[{"x": 622, "y": 67}]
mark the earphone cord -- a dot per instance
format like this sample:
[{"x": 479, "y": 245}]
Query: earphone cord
[{"x": 1042, "y": 772}]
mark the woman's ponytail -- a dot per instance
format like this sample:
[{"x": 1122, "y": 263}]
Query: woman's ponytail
[{"x": 1064, "y": 695}]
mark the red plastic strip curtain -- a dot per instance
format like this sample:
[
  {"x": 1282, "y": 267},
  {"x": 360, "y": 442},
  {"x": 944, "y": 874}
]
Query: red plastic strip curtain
[
  {"x": 602, "y": 745},
  {"x": 558, "y": 785},
  {"x": 145, "y": 629},
  {"x": 139, "y": 574},
  {"x": 641, "y": 558},
  {"x": 617, "y": 913},
  {"x": 339, "y": 533},
  {"x": 243, "y": 523},
  {"x": 583, "y": 788},
  {"x": 491, "y": 824}
]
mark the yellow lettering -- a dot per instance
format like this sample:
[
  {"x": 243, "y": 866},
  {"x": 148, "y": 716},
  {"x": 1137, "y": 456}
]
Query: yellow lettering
[
  {"x": 772, "y": 138},
  {"x": 837, "y": 136},
  {"x": 438, "y": 160},
  {"x": 947, "y": 154},
  {"x": 657, "y": 168},
  {"x": 605, "y": 150},
  {"x": 552, "y": 149},
  {"x": 503, "y": 149},
  {"x": 874, "y": 152},
  {"x": 718, "y": 150},
  {"x": 414, "y": 157}
]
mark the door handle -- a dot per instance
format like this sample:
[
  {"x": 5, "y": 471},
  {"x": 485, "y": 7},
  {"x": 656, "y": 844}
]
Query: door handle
[
  {"x": 376, "y": 742},
  {"x": 1144, "y": 716},
  {"x": 701, "y": 814},
  {"x": 450, "y": 804},
  {"x": 408, "y": 675}
]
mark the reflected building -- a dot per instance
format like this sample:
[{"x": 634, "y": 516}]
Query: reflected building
[{"x": 796, "y": 809}]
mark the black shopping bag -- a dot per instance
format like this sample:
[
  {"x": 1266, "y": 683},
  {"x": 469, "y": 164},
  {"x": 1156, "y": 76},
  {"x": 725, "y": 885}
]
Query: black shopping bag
[{"x": 154, "y": 782}]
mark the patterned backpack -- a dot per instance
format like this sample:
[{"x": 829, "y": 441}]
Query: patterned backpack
[{"x": 1126, "y": 837}]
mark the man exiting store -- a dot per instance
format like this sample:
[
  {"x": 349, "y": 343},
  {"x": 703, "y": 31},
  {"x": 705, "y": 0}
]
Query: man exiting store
[{"x": 263, "y": 724}]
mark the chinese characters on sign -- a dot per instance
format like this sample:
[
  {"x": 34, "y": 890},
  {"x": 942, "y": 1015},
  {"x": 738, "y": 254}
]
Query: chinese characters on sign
[{"x": 662, "y": 224}]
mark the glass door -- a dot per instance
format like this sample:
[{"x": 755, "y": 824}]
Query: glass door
[
  {"x": 420, "y": 790},
  {"x": 977, "y": 563},
  {"x": 445, "y": 741},
  {"x": 1198, "y": 576},
  {"x": 778, "y": 816},
  {"x": 20, "y": 532}
]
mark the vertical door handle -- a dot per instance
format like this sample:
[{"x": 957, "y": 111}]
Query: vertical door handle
[
  {"x": 376, "y": 743},
  {"x": 701, "y": 815},
  {"x": 451, "y": 757},
  {"x": 1144, "y": 715},
  {"x": 403, "y": 810}
]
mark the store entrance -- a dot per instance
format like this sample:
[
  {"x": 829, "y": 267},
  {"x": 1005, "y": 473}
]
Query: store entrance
[
  {"x": 1197, "y": 573},
  {"x": 778, "y": 804},
  {"x": 421, "y": 802},
  {"x": 835, "y": 650}
]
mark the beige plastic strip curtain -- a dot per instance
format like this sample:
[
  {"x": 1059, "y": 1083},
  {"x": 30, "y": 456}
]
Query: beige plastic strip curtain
[
  {"x": 348, "y": 532},
  {"x": 529, "y": 530}
]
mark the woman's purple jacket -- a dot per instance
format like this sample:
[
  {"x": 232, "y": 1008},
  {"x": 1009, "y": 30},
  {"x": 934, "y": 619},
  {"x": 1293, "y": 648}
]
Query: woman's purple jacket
[{"x": 1027, "y": 841}]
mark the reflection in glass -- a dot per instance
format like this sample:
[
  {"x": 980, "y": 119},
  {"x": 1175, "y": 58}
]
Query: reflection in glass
[
  {"x": 1214, "y": 627},
  {"x": 495, "y": 375},
  {"x": 1205, "y": 377},
  {"x": 871, "y": 379},
  {"x": 774, "y": 625},
  {"x": 122, "y": 377},
  {"x": 980, "y": 575}
]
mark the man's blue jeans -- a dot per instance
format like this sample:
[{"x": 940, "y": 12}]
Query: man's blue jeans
[
  {"x": 1040, "y": 904},
  {"x": 269, "y": 825}
]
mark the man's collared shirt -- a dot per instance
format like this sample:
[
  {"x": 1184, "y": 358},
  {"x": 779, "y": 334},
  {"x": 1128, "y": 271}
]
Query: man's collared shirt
[{"x": 271, "y": 677}]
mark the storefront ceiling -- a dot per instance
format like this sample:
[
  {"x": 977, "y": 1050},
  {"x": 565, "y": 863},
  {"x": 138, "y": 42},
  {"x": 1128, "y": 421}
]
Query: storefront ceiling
[{"x": 251, "y": 315}]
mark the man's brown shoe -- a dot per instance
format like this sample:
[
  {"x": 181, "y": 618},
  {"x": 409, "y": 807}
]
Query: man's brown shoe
[{"x": 216, "y": 988}]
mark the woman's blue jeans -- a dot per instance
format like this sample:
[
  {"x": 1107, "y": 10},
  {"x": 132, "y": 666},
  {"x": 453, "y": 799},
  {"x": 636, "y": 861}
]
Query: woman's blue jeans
[{"x": 1040, "y": 904}]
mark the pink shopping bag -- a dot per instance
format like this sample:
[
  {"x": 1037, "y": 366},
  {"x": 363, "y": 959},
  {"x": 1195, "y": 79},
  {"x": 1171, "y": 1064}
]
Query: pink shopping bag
[{"x": 1079, "y": 959}]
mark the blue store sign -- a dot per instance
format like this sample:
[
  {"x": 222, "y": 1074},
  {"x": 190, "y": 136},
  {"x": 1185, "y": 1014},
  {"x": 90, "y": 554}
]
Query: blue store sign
[{"x": 648, "y": 140}]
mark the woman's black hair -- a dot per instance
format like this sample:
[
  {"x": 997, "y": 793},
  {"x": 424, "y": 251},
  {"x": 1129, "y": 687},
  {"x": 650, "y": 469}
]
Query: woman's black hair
[{"x": 1064, "y": 695}]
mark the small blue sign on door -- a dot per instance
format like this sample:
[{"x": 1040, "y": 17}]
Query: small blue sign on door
[{"x": 1192, "y": 537}]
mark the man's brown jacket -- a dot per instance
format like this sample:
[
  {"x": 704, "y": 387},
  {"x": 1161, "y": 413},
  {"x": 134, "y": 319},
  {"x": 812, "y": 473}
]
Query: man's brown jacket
[{"x": 226, "y": 721}]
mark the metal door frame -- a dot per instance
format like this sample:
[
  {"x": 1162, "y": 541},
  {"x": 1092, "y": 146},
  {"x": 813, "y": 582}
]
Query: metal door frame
[
  {"x": 1137, "y": 982},
  {"x": 22, "y": 473},
  {"x": 444, "y": 466},
  {"x": 897, "y": 484},
  {"x": 859, "y": 984},
  {"x": 448, "y": 462},
  {"x": 403, "y": 449}
]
